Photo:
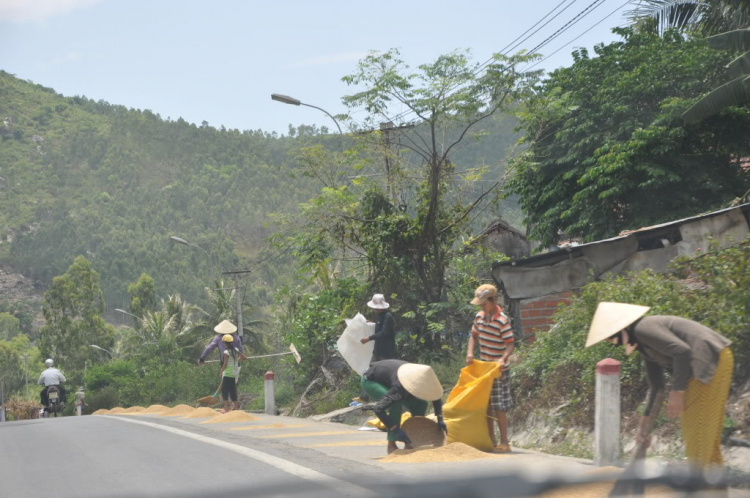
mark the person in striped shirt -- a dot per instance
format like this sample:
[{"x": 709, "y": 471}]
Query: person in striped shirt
[{"x": 492, "y": 330}]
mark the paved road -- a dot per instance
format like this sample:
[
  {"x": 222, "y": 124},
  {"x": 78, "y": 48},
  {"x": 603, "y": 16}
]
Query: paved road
[
  {"x": 99, "y": 457},
  {"x": 122, "y": 456}
]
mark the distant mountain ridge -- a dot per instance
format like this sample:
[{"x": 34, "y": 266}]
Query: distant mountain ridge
[{"x": 113, "y": 184}]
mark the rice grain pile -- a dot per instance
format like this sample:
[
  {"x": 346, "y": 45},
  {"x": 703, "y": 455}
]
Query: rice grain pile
[
  {"x": 177, "y": 410},
  {"x": 271, "y": 426},
  {"x": 202, "y": 413},
  {"x": 233, "y": 416},
  {"x": 101, "y": 411},
  {"x": 154, "y": 409},
  {"x": 116, "y": 410},
  {"x": 454, "y": 452},
  {"x": 134, "y": 409}
]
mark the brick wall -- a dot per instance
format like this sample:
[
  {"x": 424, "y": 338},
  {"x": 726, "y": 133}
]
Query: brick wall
[{"x": 537, "y": 314}]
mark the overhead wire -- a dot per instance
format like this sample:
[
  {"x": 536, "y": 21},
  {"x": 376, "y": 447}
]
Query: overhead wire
[
  {"x": 505, "y": 49},
  {"x": 577, "y": 18},
  {"x": 577, "y": 37}
]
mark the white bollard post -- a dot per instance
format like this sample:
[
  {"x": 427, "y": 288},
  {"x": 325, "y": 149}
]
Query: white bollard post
[
  {"x": 2, "y": 413},
  {"x": 270, "y": 396},
  {"x": 78, "y": 410},
  {"x": 607, "y": 413}
]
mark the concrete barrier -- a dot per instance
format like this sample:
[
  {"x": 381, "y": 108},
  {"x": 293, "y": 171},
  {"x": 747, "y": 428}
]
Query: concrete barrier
[
  {"x": 607, "y": 413},
  {"x": 270, "y": 395}
]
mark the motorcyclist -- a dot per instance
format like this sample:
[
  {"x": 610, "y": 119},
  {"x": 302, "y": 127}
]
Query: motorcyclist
[{"x": 52, "y": 377}]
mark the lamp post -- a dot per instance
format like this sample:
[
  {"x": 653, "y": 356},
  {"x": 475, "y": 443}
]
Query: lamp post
[
  {"x": 184, "y": 242},
  {"x": 102, "y": 349},
  {"x": 286, "y": 99},
  {"x": 125, "y": 312}
]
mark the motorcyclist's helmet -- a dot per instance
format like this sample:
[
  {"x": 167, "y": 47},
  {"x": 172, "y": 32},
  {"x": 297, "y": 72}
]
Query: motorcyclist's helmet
[
  {"x": 227, "y": 338},
  {"x": 49, "y": 362}
]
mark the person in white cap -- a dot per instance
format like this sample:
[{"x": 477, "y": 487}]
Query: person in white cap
[
  {"x": 385, "y": 331},
  {"x": 395, "y": 385},
  {"x": 700, "y": 363},
  {"x": 225, "y": 327},
  {"x": 492, "y": 330}
]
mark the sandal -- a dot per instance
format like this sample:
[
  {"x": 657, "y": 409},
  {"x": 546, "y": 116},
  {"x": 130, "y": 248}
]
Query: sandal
[{"x": 501, "y": 448}]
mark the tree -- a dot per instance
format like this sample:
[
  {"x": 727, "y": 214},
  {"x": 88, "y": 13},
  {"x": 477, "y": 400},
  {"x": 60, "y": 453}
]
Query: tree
[
  {"x": 401, "y": 225},
  {"x": 608, "y": 150},
  {"x": 707, "y": 17},
  {"x": 72, "y": 309},
  {"x": 143, "y": 295},
  {"x": 728, "y": 21},
  {"x": 10, "y": 326}
]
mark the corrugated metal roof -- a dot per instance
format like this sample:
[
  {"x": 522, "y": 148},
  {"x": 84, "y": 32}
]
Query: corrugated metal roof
[{"x": 568, "y": 251}]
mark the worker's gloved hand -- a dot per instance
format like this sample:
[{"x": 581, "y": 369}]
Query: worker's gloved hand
[
  {"x": 441, "y": 424},
  {"x": 401, "y": 436}
]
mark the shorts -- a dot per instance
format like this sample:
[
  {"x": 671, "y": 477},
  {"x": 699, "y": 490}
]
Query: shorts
[
  {"x": 229, "y": 389},
  {"x": 501, "y": 399}
]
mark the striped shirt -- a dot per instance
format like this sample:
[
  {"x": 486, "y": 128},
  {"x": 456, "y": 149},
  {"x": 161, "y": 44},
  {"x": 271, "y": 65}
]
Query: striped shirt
[{"x": 494, "y": 335}]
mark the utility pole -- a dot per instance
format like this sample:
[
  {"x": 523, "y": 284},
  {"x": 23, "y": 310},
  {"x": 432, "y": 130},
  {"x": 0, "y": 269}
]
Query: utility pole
[
  {"x": 26, "y": 372},
  {"x": 238, "y": 299}
]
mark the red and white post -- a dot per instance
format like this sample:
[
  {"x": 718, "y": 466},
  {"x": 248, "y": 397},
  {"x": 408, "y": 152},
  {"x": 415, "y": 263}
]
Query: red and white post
[
  {"x": 607, "y": 413},
  {"x": 270, "y": 396}
]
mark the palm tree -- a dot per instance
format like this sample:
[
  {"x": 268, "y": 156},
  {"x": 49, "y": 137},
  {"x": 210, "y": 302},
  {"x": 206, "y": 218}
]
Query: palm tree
[
  {"x": 707, "y": 17},
  {"x": 730, "y": 19}
]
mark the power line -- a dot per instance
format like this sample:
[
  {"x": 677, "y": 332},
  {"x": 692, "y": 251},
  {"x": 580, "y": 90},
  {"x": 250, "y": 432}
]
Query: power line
[
  {"x": 578, "y": 17},
  {"x": 505, "y": 49},
  {"x": 577, "y": 37}
]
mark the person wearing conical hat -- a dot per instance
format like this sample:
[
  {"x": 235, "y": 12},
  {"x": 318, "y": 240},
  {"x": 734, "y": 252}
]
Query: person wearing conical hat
[
  {"x": 397, "y": 384},
  {"x": 225, "y": 327},
  {"x": 385, "y": 330},
  {"x": 700, "y": 363}
]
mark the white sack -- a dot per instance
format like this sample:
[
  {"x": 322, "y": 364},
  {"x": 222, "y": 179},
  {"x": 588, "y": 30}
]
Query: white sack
[{"x": 356, "y": 354}]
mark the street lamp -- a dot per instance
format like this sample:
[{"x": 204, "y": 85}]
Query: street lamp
[
  {"x": 102, "y": 349},
  {"x": 123, "y": 311},
  {"x": 184, "y": 242},
  {"x": 286, "y": 99}
]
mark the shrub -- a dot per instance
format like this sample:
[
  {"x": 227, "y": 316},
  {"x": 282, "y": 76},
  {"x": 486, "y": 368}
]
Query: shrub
[{"x": 557, "y": 368}]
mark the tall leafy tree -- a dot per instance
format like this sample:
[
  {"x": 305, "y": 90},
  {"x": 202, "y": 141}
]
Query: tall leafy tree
[
  {"x": 608, "y": 150},
  {"x": 398, "y": 224},
  {"x": 72, "y": 309}
]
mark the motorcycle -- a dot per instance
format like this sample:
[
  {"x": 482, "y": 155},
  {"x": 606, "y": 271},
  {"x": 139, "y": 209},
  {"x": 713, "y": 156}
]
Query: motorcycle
[{"x": 54, "y": 402}]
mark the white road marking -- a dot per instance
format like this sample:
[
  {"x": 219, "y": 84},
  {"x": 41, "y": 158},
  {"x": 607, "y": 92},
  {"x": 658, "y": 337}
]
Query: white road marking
[{"x": 294, "y": 469}]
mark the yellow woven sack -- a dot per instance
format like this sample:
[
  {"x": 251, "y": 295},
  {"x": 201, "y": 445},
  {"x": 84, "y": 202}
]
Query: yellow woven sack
[
  {"x": 375, "y": 421},
  {"x": 465, "y": 412}
]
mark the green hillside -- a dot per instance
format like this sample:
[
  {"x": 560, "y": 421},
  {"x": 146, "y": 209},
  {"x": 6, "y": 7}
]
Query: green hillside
[{"x": 89, "y": 178}]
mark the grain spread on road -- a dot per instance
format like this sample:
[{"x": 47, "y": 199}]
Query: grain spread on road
[
  {"x": 233, "y": 416},
  {"x": 271, "y": 426},
  {"x": 454, "y": 452},
  {"x": 203, "y": 412},
  {"x": 116, "y": 410},
  {"x": 177, "y": 410},
  {"x": 101, "y": 411},
  {"x": 347, "y": 443},
  {"x": 308, "y": 434},
  {"x": 153, "y": 409},
  {"x": 134, "y": 409}
]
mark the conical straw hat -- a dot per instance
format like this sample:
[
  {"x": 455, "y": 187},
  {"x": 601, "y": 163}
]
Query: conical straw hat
[
  {"x": 420, "y": 381},
  {"x": 610, "y": 318},
  {"x": 225, "y": 327}
]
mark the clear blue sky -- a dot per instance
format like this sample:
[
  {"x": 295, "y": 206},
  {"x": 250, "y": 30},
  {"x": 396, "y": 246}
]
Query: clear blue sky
[{"x": 220, "y": 60}]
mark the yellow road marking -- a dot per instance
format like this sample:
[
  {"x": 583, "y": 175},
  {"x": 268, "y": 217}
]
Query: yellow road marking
[
  {"x": 272, "y": 426},
  {"x": 348, "y": 443},
  {"x": 307, "y": 434}
]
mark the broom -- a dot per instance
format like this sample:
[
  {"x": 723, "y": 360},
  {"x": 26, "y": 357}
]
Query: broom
[
  {"x": 630, "y": 484},
  {"x": 211, "y": 400}
]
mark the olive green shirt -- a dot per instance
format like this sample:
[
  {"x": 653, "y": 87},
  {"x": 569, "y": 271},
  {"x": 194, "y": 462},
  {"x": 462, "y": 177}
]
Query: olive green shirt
[{"x": 684, "y": 348}]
